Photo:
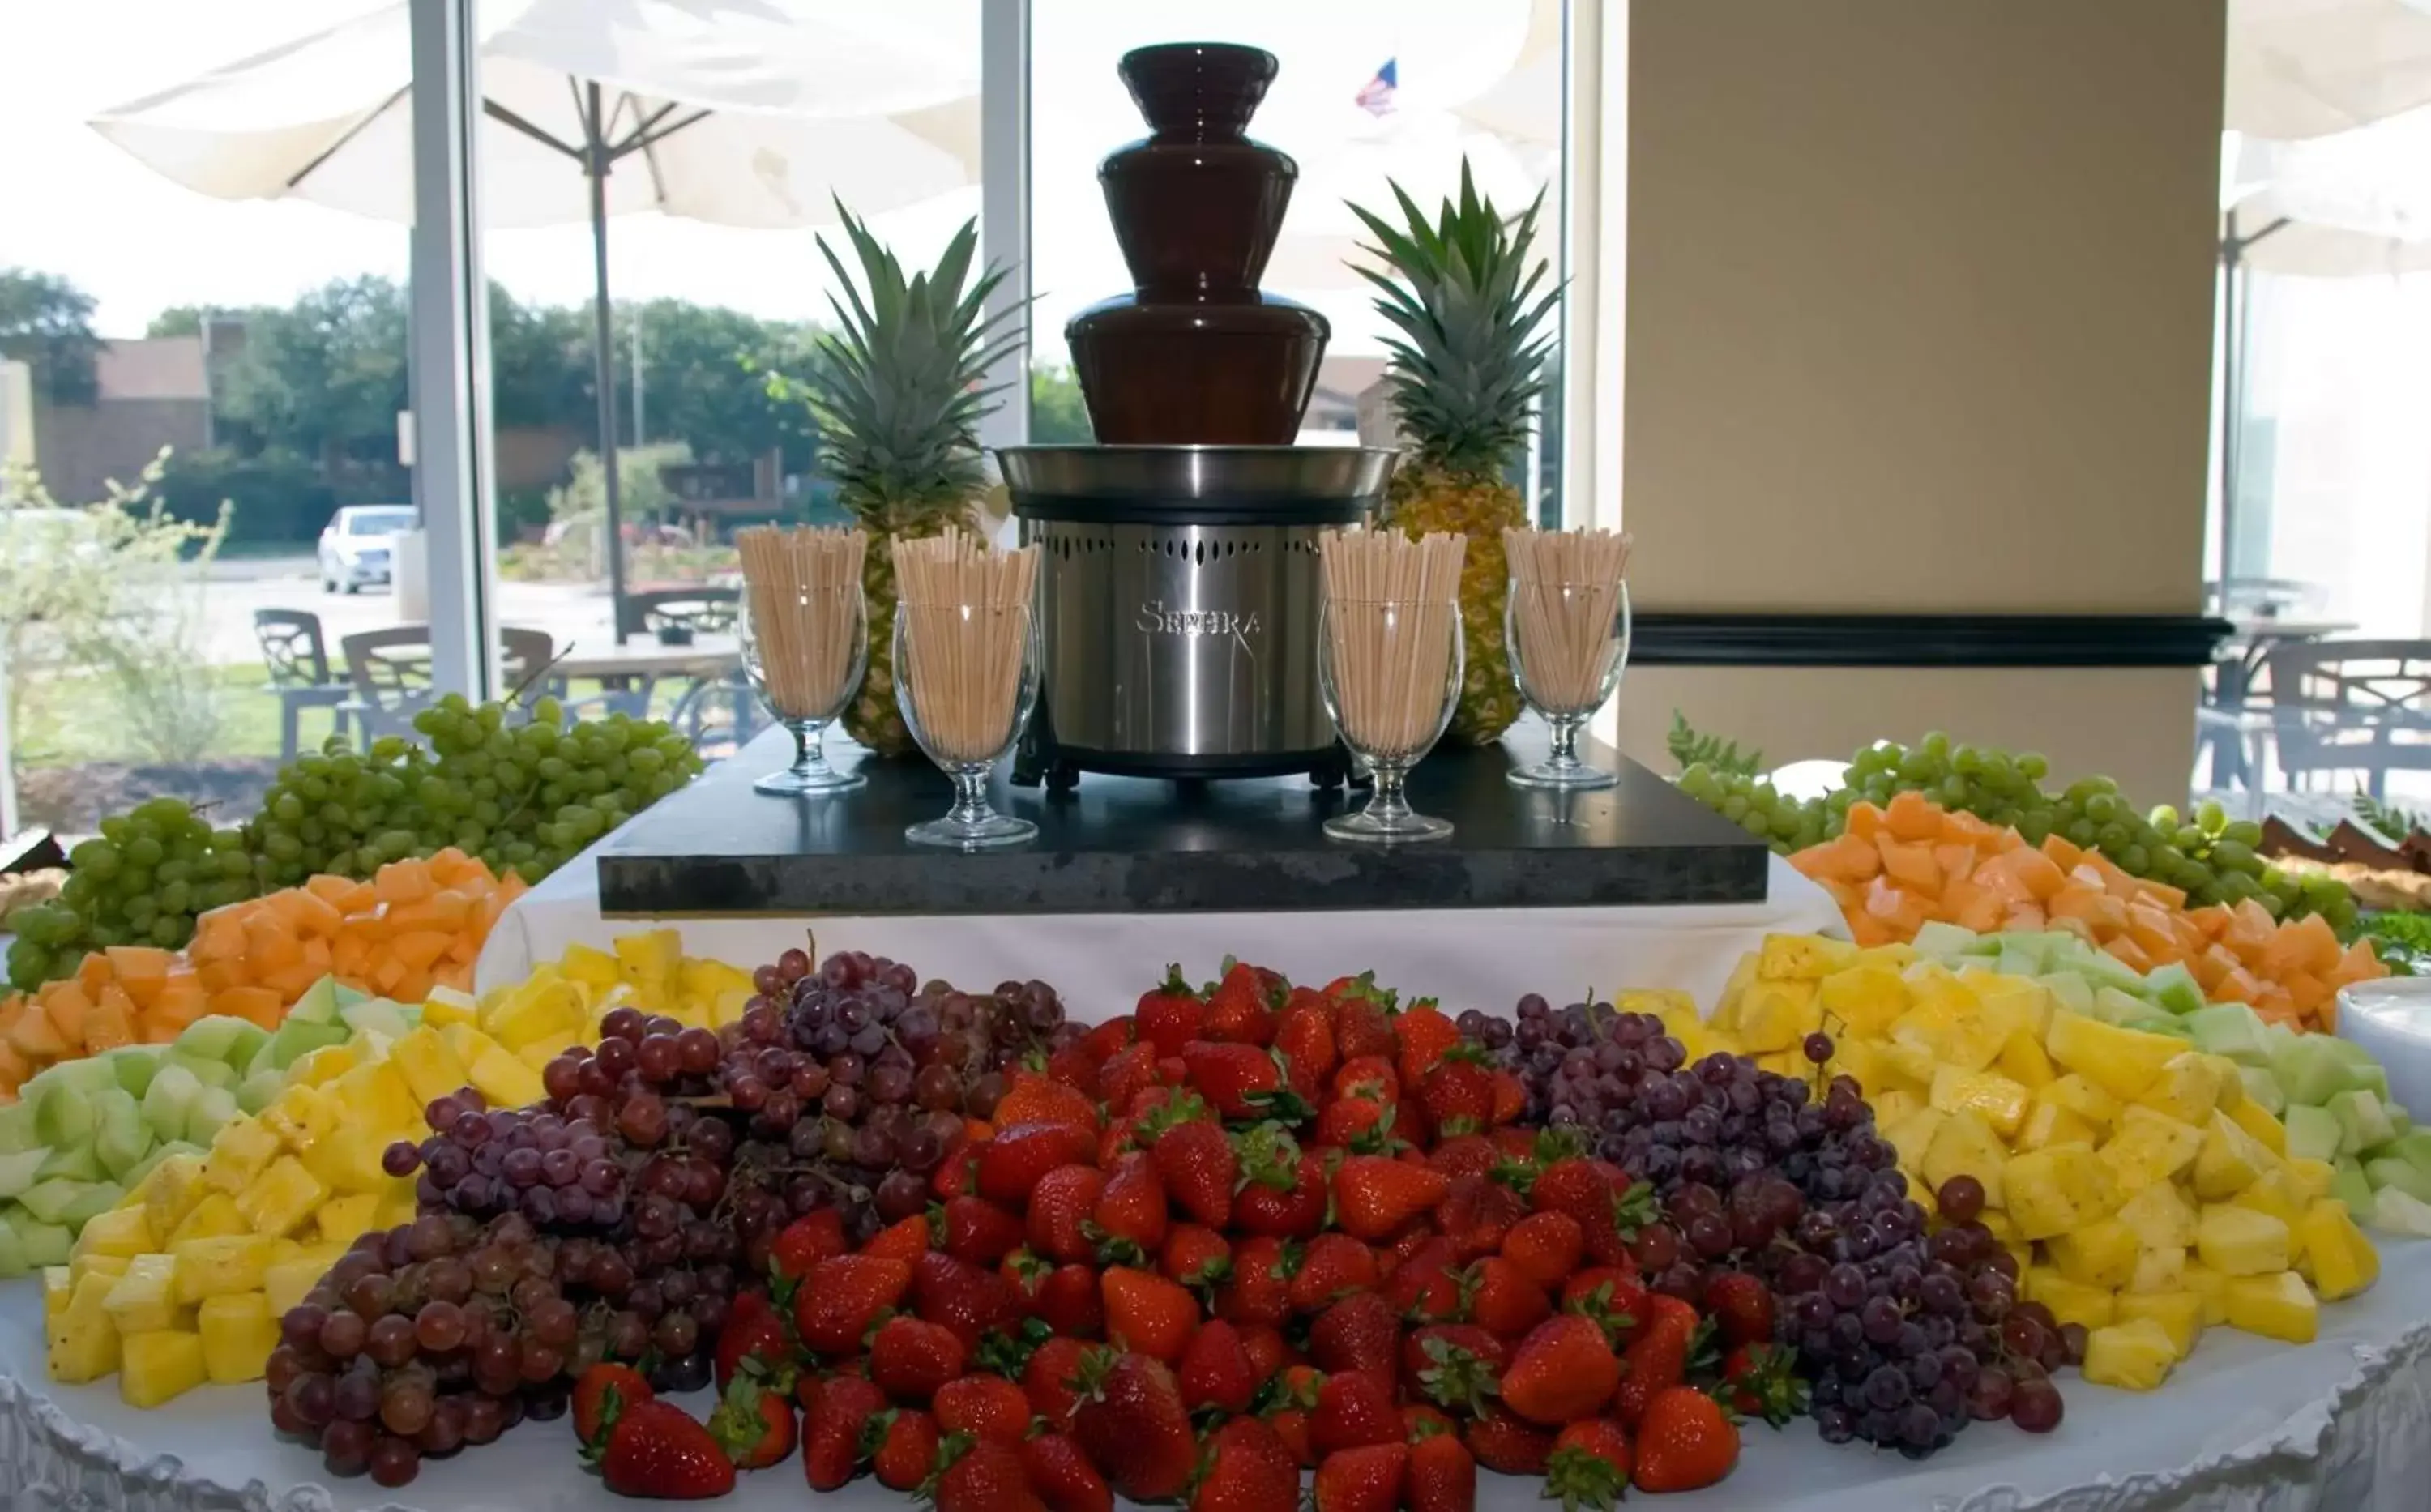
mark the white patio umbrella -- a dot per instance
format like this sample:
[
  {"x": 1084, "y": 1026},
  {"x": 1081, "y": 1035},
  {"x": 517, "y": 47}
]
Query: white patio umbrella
[
  {"x": 2309, "y": 68},
  {"x": 739, "y": 112}
]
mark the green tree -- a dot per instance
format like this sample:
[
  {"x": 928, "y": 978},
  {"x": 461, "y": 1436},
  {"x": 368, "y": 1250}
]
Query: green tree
[
  {"x": 46, "y": 322},
  {"x": 540, "y": 365},
  {"x": 177, "y": 320},
  {"x": 1058, "y": 416},
  {"x": 704, "y": 380},
  {"x": 325, "y": 375}
]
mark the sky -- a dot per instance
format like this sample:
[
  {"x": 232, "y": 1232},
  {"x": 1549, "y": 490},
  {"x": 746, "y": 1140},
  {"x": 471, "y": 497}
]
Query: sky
[{"x": 75, "y": 204}]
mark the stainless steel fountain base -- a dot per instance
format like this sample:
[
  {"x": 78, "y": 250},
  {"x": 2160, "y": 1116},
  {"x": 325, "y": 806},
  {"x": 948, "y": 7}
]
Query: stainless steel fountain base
[{"x": 1180, "y": 603}]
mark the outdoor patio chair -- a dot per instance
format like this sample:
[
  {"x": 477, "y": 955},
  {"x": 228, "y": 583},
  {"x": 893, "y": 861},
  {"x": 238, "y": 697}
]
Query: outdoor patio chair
[
  {"x": 299, "y": 660},
  {"x": 719, "y": 715},
  {"x": 390, "y": 673},
  {"x": 696, "y": 609},
  {"x": 2352, "y": 706}
]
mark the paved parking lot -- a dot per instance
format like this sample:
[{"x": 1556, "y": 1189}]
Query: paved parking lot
[{"x": 571, "y": 613}]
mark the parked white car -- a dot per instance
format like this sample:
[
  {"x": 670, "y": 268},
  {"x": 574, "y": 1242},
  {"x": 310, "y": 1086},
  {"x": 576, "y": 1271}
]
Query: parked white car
[{"x": 359, "y": 545}]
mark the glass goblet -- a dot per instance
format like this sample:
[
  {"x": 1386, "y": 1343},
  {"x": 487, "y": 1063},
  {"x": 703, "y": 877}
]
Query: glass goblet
[
  {"x": 1569, "y": 644},
  {"x": 1390, "y": 672},
  {"x": 966, "y": 678},
  {"x": 804, "y": 650}
]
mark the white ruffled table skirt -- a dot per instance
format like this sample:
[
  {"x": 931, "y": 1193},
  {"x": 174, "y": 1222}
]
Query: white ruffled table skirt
[{"x": 2339, "y": 1425}]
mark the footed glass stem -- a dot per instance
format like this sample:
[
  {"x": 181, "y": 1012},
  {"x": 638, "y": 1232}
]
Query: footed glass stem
[{"x": 810, "y": 772}]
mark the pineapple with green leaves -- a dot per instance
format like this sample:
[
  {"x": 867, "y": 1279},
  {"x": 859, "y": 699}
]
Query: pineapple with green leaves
[
  {"x": 1466, "y": 365},
  {"x": 897, "y": 393}
]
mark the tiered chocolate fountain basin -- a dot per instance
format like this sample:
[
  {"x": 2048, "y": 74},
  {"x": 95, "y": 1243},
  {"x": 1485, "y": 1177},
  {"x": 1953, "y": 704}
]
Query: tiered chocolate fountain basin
[{"x": 1180, "y": 585}]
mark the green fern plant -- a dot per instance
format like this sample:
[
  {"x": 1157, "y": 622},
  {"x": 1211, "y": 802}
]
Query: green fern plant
[
  {"x": 2388, "y": 818},
  {"x": 1688, "y": 747}
]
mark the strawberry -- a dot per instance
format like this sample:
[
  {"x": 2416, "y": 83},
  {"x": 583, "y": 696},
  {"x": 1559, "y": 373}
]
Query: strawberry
[
  {"x": 1458, "y": 1094},
  {"x": 1035, "y": 1099},
  {"x": 1063, "y": 1477},
  {"x": 843, "y": 1295},
  {"x": 1685, "y": 1443},
  {"x": 1264, "y": 1344},
  {"x": 905, "y": 1455},
  {"x": 1464, "y": 1155},
  {"x": 1060, "y": 1204},
  {"x": 985, "y": 1477},
  {"x": 1453, "y": 1364},
  {"x": 1421, "y": 1420},
  {"x": 1132, "y": 1424},
  {"x": 983, "y": 1406},
  {"x": 957, "y": 1175},
  {"x": 1291, "y": 1426},
  {"x": 1442, "y": 1476},
  {"x": 1127, "y": 1072},
  {"x": 1367, "y": 1076},
  {"x": 803, "y": 1244},
  {"x": 1756, "y": 1382},
  {"x": 1740, "y": 1306},
  {"x": 1561, "y": 1371},
  {"x": 1500, "y": 1299},
  {"x": 978, "y": 1232},
  {"x": 658, "y": 1449},
  {"x": 1613, "y": 1297},
  {"x": 1076, "y": 1066},
  {"x": 1402, "y": 1245},
  {"x": 1374, "y": 1195},
  {"x": 605, "y": 1393},
  {"x": 1589, "y": 1467},
  {"x": 1113, "y": 1034},
  {"x": 1654, "y": 1364},
  {"x": 1364, "y": 1126},
  {"x": 1238, "y": 1011},
  {"x": 1068, "y": 1301},
  {"x": 1011, "y": 1164},
  {"x": 1424, "y": 1285},
  {"x": 1247, "y": 1469},
  {"x": 1259, "y": 1288},
  {"x": 1545, "y": 1247},
  {"x": 1608, "y": 1207},
  {"x": 1170, "y": 1014},
  {"x": 754, "y": 1423},
  {"x": 906, "y": 1240},
  {"x": 1214, "y": 1371},
  {"x": 910, "y": 1359},
  {"x": 1304, "y": 1033},
  {"x": 1147, "y": 1313},
  {"x": 1048, "y": 1379},
  {"x": 1424, "y": 1033},
  {"x": 1333, "y": 1266},
  {"x": 1195, "y": 1162},
  {"x": 1285, "y": 1192},
  {"x": 1363, "y": 1479},
  {"x": 1198, "y": 1258},
  {"x": 1506, "y": 1442},
  {"x": 960, "y": 1296},
  {"x": 1359, "y": 1333},
  {"x": 1354, "y": 1407},
  {"x": 1476, "y": 1212},
  {"x": 1510, "y": 1097},
  {"x": 1363, "y": 1023},
  {"x": 1128, "y": 1220},
  {"x": 836, "y": 1412},
  {"x": 1241, "y": 1081}
]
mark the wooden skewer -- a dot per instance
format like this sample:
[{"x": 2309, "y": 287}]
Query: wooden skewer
[
  {"x": 966, "y": 638},
  {"x": 1566, "y": 590},
  {"x": 803, "y": 589}
]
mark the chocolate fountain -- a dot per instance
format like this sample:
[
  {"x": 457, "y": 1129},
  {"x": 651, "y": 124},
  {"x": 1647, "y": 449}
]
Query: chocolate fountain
[{"x": 1180, "y": 596}]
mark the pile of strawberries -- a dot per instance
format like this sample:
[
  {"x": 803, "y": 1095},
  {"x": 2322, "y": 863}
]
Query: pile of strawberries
[{"x": 1231, "y": 1237}]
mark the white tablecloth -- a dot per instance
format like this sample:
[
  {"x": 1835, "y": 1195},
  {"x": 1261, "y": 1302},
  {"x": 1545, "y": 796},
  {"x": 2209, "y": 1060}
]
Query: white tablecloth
[
  {"x": 2340, "y": 1425},
  {"x": 1101, "y": 963}
]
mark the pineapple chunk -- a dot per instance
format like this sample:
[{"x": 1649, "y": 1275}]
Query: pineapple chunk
[
  {"x": 2150, "y": 1147},
  {"x": 2308, "y": 1181},
  {"x": 2022, "y": 1061},
  {"x": 395, "y": 1205},
  {"x": 2099, "y": 1254},
  {"x": 172, "y": 1190},
  {"x": 430, "y": 1070},
  {"x": 342, "y": 1219},
  {"x": 285, "y": 1283},
  {"x": 1726, "y": 1008},
  {"x": 159, "y": 1365},
  {"x": 1913, "y": 1135},
  {"x": 1865, "y": 998},
  {"x": 2072, "y": 1093},
  {"x": 2070, "y": 1301},
  {"x": 538, "y": 1052},
  {"x": 325, "y": 1064},
  {"x": 1803, "y": 957},
  {"x": 2274, "y": 1194},
  {"x": 2161, "y": 1218},
  {"x": 1908, "y": 1064},
  {"x": 2158, "y": 1269},
  {"x": 84, "y": 1340},
  {"x": 1894, "y": 1105},
  {"x": 126, "y": 1230},
  {"x": 2123, "y": 1062},
  {"x": 506, "y": 1082},
  {"x": 2048, "y": 1124},
  {"x": 2257, "y": 1121},
  {"x": 282, "y": 1199},
  {"x": 2343, "y": 1261},
  {"x": 348, "y": 1160},
  {"x": 2188, "y": 1089},
  {"x": 2230, "y": 1160},
  {"x": 2212, "y": 1288},
  {"x": 445, "y": 1006},
  {"x": 59, "y": 1289},
  {"x": 650, "y": 958},
  {"x": 237, "y": 1335},
  {"x": 2061, "y": 1188},
  {"x": 313, "y": 1114},
  {"x": 2238, "y": 1241},
  {"x": 1965, "y": 1144},
  {"x": 221, "y": 1266},
  {"x": 2278, "y": 1305},
  {"x": 2022, "y": 1001},
  {"x": 213, "y": 1216},
  {"x": 592, "y": 967},
  {"x": 2179, "y": 1313},
  {"x": 241, "y": 1150},
  {"x": 146, "y": 1298},
  {"x": 2134, "y": 1356},
  {"x": 2001, "y": 1101},
  {"x": 375, "y": 1093}
]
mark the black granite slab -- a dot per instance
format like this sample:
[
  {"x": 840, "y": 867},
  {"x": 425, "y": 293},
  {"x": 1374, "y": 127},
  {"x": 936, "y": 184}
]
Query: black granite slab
[{"x": 1131, "y": 844}]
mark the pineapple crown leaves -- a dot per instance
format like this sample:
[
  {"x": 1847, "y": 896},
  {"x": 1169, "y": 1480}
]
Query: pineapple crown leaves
[
  {"x": 1464, "y": 295},
  {"x": 898, "y": 387}
]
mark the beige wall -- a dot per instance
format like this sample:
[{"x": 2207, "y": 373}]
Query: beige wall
[{"x": 1918, "y": 319}]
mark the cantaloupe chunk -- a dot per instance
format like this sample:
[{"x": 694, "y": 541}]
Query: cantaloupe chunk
[
  {"x": 403, "y": 881},
  {"x": 66, "y": 1003},
  {"x": 1912, "y": 816},
  {"x": 258, "y": 1005},
  {"x": 140, "y": 969},
  {"x": 1911, "y": 865},
  {"x": 269, "y": 942},
  {"x": 110, "y": 1021}
]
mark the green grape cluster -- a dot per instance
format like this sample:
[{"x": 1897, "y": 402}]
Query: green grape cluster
[
  {"x": 2211, "y": 858},
  {"x": 342, "y": 813},
  {"x": 141, "y": 882},
  {"x": 1754, "y": 804}
]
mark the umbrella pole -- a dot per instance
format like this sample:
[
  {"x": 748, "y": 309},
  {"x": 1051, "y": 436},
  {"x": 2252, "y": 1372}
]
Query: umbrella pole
[
  {"x": 2232, "y": 353},
  {"x": 595, "y": 168}
]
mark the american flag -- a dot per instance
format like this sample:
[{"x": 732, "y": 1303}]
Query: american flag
[{"x": 1376, "y": 96}]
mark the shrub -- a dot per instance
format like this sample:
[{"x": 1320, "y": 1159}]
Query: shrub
[{"x": 274, "y": 496}]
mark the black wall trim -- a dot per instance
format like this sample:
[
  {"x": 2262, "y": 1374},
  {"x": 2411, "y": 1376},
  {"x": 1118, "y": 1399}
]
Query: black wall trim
[{"x": 1926, "y": 640}]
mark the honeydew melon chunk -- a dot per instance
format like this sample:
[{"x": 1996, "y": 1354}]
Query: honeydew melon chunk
[
  {"x": 20, "y": 1170},
  {"x": 63, "y": 1115},
  {"x": 2349, "y": 1185},
  {"x": 172, "y": 1094},
  {"x": 2112, "y": 1006},
  {"x": 207, "y": 1069},
  {"x": 121, "y": 1138},
  {"x": 12, "y": 1253},
  {"x": 2365, "y": 1122},
  {"x": 2399, "y": 1119},
  {"x": 2413, "y": 1146},
  {"x": 2229, "y": 1029},
  {"x": 2397, "y": 1212},
  {"x": 95, "y": 1199},
  {"x": 2070, "y": 991},
  {"x": 2024, "y": 943},
  {"x": 2311, "y": 1071},
  {"x": 213, "y": 1107},
  {"x": 74, "y": 1163},
  {"x": 2313, "y": 1133},
  {"x": 2106, "y": 970},
  {"x": 2172, "y": 986},
  {"x": 260, "y": 1090},
  {"x": 159, "y": 1152},
  {"x": 45, "y": 1244},
  {"x": 49, "y": 1202},
  {"x": 17, "y": 1129},
  {"x": 1934, "y": 937},
  {"x": 376, "y": 1016},
  {"x": 216, "y": 1037},
  {"x": 295, "y": 1038},
  {"x": 2388, "y": 1172},
  {"x": 134, "y": 1065},
  {"x": 319, "y": 1004},
  {"x": 2263, "y": 1088}
]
